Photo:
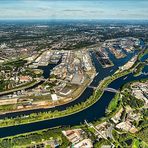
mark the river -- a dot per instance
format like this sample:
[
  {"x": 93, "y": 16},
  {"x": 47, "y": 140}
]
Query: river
[
  {"x": 92, "y": 113},
  {"x": 102, "y": 73}
]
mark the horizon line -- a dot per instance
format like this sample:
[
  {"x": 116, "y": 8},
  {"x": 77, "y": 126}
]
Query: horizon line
[{"x": 79, "y": 19}]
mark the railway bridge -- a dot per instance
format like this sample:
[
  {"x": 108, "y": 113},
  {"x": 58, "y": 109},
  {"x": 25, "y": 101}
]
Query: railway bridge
[
  {"x": 106, "y": 89},
  {"x": 111, "y": 90}
]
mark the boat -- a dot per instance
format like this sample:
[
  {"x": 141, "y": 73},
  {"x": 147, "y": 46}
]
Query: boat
[
  {"x": 125, "y": 78},
  {"x": 97, "y": 73}
]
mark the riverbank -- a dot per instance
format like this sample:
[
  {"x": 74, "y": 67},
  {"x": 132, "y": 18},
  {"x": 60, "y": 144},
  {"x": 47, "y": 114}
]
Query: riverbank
[
  {"x": 56, "y": 131},
  {"x": 97, "y": 109},
  {"x": 75, "y": 95},
  {"x": 139, "y": 68},
  {"x": 36, "y": 117},
  {"x": 142, "y": 54}
]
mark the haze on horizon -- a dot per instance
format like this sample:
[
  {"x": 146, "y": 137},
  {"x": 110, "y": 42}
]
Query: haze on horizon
[{"x": 74, "y": 9}]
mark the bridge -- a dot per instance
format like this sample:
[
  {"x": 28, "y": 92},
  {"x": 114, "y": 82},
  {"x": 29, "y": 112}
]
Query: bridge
[
  {"x": 144, "y": 73},
  {"x": 92, "y": 87},
  {"x": 106, "y": 89},
  {"x": 40, "y": 79},
  {"x": 111, "y": 90}
]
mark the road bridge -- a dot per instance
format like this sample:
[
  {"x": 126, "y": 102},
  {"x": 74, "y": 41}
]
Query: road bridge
[
  {"x": 144, "y": 73},
  {"x": 40, "y": 79},
  {"x": 92, "y": 87}
]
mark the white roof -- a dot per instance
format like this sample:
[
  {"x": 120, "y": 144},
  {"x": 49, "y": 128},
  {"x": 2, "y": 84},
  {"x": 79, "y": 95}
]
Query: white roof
[{"x": 54, "y": 97}]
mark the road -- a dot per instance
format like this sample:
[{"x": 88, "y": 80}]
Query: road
[{"x": 20, "y": 88}]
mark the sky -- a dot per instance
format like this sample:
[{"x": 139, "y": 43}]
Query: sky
[{"x": 74, "y": 9}]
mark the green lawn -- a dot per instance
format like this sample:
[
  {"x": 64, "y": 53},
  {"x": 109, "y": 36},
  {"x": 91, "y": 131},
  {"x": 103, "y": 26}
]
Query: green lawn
[
  {"x": 114, "y": 103},
  {"x": 136, "y": 143}
]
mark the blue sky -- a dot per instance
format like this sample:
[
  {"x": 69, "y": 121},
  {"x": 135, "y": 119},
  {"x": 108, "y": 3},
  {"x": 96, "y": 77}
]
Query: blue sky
[{"x": 74, "y": 9}]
